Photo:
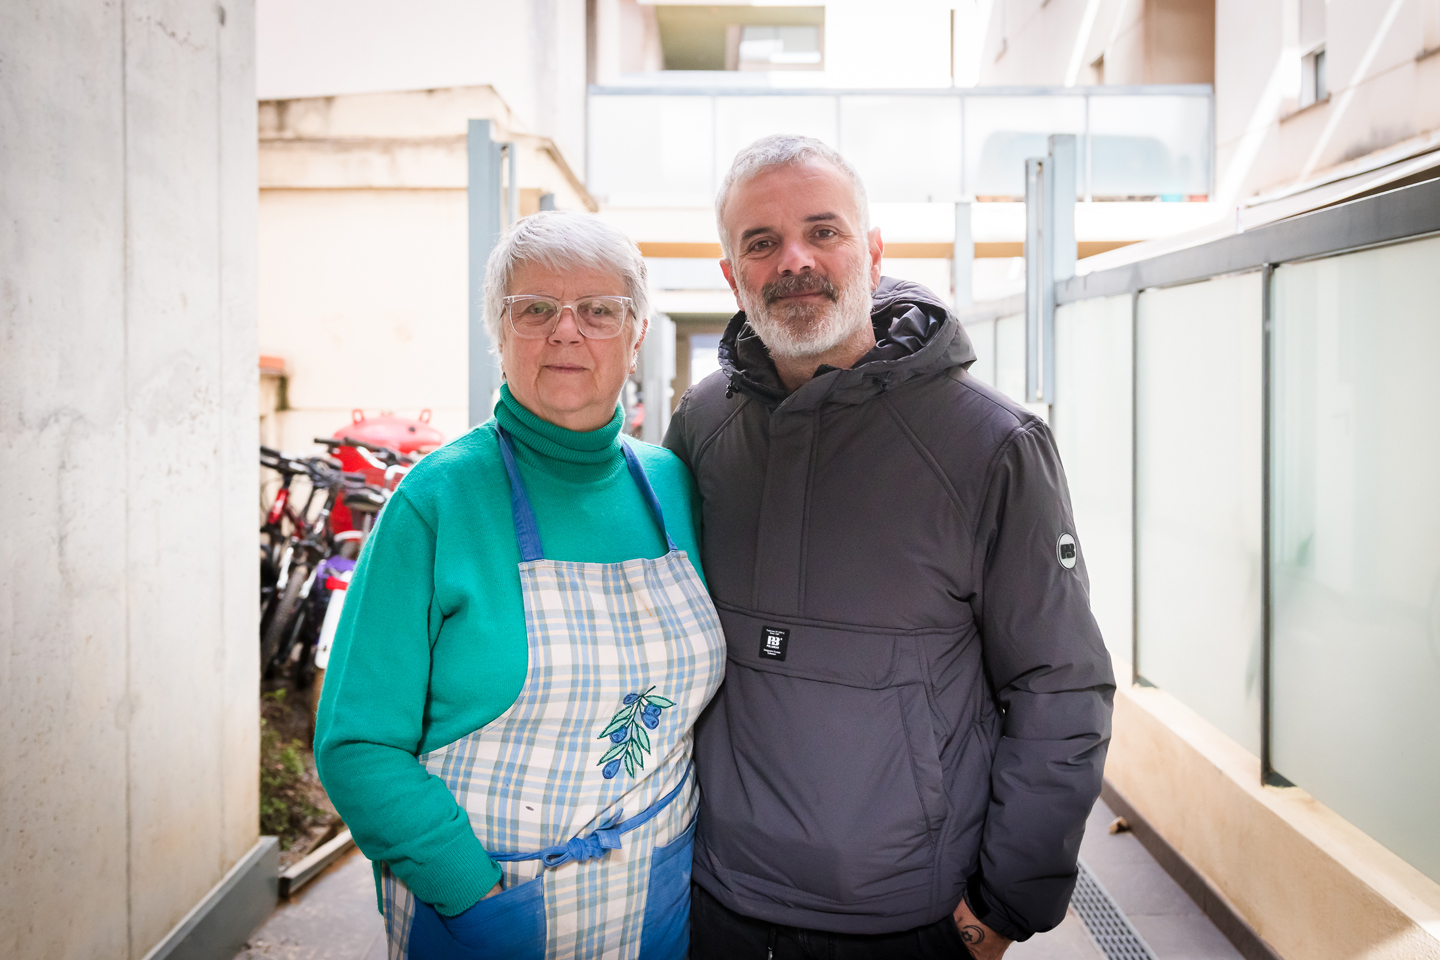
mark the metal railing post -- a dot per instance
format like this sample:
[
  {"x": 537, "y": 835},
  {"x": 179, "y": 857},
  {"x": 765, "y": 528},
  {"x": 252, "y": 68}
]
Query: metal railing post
[
  {"x": 483, "y": 196},
  {"x": 963, "y": 257},
  {"x": 1049, "y": 257},
  {"x": 1037, "y": 276}
]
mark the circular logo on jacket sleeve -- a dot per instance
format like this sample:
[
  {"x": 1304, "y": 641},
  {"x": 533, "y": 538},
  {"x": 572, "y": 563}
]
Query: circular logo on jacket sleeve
[{"x": 1066, "y": 551}]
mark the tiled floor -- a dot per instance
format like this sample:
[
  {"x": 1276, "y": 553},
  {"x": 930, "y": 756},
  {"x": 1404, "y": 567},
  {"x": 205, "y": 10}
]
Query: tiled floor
[{"x": 334, "y": 918}]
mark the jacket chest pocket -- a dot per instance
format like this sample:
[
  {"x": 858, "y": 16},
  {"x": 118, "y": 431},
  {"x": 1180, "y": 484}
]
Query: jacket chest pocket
[{"x": 837, "y": 770}]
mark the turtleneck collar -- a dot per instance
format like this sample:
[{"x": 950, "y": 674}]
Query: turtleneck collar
[{"x": 578, "y": 456}]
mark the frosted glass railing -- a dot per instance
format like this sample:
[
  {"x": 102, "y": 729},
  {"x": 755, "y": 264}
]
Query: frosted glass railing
[
  {"x": 1091, "y": 420},
  {"x": 1198, "y": 450},
  {"x": 670, "y": 148},
  {"x": 1355, "y": 455}
]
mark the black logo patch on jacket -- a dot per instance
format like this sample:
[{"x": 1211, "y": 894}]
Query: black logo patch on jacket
[{"x": 773, "y": 642}]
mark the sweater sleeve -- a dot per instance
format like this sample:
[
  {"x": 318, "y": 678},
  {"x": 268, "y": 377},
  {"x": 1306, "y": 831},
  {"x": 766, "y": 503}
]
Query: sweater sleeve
[
  {"x": 1052, "y": 678},
  {"x": 370, "y": 722}
]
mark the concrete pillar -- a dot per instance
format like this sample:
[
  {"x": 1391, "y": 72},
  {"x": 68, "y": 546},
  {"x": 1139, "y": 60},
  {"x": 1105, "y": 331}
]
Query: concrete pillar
[{"x": 128, "y": 370}]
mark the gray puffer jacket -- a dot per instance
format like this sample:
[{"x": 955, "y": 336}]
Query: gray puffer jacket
[{"x": 917, "y": 700}]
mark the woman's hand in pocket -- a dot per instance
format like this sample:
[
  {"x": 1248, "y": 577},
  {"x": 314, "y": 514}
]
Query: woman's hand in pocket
[{"x": 493, "y": 890}]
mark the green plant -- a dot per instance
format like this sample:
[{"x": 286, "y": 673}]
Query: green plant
[{"x": 285, "y": 809}]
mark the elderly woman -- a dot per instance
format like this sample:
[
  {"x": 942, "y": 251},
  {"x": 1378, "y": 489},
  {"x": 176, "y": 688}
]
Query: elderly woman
[{"x": 527, "y": 642}]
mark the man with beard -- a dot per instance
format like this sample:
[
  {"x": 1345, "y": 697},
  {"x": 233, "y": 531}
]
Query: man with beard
[{"x": 916, "y": 708}]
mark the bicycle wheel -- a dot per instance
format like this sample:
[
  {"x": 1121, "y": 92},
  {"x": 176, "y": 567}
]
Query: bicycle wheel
[{"x": 282, "y": 619}]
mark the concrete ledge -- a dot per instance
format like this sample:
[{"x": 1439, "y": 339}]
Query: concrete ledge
[
  {"x": 223, "y": 920},
  {"x": 308, "y": 869},
  {"x": 1309, "y": 883}
]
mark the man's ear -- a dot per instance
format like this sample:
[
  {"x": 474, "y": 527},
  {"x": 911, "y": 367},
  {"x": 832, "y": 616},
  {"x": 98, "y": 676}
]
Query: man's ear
[
  {"x": 729, "y": 272},
  {"x": 877, "y": 253}
]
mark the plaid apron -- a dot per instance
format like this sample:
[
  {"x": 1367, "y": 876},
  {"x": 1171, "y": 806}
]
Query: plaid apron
[{"x": 582, "y": 790}]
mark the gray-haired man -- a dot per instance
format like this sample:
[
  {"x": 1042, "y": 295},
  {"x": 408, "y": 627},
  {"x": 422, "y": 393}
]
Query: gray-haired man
[{"x": 916, "y": 708}]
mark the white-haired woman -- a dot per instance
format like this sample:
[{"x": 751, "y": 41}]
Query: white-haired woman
[{"x": 527, "y": 643}]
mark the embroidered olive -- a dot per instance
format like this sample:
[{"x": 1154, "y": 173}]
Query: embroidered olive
[
  {"x": 619, "y": 735},
  {"x": 630, "y": 698},
  {"x": 651, "y": 720},
  {"x": 611, "y": 769},
  {"x": 652, "y": 709}
]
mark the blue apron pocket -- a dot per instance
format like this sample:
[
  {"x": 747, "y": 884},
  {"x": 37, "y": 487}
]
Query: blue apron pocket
[
  {"x": 665, "y": 933},
  {"x": 507, "y": 926}
]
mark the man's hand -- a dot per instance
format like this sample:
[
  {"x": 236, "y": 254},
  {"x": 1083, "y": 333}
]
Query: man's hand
[{"x": 983, "y": 943}]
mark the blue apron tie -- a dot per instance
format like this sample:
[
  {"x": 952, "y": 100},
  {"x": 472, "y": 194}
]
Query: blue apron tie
[
  {"x": 603, "y": 839},
  {"x": 527, "y": 531}
]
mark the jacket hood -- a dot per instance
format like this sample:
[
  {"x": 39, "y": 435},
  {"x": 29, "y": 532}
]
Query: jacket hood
[{"x": 915, "y": 335}]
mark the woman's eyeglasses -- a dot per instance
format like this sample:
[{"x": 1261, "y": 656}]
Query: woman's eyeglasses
[{"x": 597, "y": 318}]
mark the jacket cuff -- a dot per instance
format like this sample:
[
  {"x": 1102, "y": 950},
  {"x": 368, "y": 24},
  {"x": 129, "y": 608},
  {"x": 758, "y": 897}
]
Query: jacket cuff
[
  {"x": 456, "y": 878},
  {"x": 992, "y": 913}
]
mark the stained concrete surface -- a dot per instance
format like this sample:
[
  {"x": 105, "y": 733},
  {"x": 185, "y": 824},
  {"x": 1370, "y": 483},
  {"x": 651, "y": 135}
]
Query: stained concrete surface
[{"x": 334, "y": 918}]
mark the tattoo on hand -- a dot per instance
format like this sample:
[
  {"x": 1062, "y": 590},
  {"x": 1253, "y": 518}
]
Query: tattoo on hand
[{"x": 971, "y": 934}]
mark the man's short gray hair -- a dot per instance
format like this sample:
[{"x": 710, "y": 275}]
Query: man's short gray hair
[
  {"x": 784, "y": 149},
  {"x": 561, "y": 240}
]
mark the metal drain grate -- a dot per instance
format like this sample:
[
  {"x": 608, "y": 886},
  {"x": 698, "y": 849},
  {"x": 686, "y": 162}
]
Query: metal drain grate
[{"x": 1107, "y": 926}]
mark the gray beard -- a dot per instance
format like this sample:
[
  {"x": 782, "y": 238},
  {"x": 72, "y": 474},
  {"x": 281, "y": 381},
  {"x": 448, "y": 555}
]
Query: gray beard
[{"x": 802, "y": 331}]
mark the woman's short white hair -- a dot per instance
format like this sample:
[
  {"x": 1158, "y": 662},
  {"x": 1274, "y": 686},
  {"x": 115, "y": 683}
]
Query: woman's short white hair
[
  {"x": 784, "y": 149},
  {"x": 561, "y": 240}
]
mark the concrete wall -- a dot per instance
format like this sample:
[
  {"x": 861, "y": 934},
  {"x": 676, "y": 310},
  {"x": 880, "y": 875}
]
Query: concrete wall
[
  {"x": 128, "y": 724},
  {"x": 1384, "y": 89},
  {"x": 1382, "y": 64},
  {"x": 1058, "y": 41}
]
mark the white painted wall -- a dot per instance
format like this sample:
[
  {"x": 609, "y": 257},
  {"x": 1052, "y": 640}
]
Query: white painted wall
[
  {"x": 363, "y": 292},
  {"x": 128, "y": 723},
  {"x": 531, "y": 51}
]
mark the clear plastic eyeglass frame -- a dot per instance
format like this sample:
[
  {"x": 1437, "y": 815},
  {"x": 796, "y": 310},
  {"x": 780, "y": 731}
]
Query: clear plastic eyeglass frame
[{"x": 585, "y": 321}]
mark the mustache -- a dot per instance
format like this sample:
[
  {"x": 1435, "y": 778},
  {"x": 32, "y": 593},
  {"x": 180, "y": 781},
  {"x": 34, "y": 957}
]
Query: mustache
[{"x": 797, "y": 284}]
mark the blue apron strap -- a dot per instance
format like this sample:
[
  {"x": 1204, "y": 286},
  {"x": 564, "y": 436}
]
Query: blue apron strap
[
  {"x": 527, "y": 531},
  {"x": 646, "y": 491},
  {"x": 603, "y": 839}
]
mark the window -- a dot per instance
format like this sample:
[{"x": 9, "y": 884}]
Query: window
[
  {"x": 1312, "y": 78},
  {"x": 1313, "y": 88},
  {"x": 749, "y": 38},
  {"x": 773, "y": 48}
]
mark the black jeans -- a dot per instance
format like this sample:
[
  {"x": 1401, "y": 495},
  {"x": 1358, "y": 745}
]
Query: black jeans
[{"x": 719, "y": 933}]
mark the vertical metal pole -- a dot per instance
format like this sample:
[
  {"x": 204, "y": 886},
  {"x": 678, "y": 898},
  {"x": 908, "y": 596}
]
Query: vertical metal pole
[
  {"x": 1267, "y": 272},
  {"x": 1059, "y": 228},
  {"x": 1135, "y": 487},
  {"x": 963, "y": 257},
  {"x": 483, "y": 198},
  {"x": 1035, "y": 273},
  {"x": 657, "y": 376},
  {"x": 512, "y": 189}
]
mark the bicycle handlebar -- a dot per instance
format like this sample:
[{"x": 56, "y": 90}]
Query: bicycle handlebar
[{"x": 390, "y": 454}]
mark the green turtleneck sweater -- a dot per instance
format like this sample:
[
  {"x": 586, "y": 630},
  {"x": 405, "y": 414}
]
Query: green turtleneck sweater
[{"x": 432, "y": 646}]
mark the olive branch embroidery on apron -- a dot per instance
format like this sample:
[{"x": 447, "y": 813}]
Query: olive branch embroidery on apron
[{"x": 626, "y": 731}]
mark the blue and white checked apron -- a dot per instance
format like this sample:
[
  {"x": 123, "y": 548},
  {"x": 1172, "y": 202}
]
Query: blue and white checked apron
[{"x": 582, "y": 790}]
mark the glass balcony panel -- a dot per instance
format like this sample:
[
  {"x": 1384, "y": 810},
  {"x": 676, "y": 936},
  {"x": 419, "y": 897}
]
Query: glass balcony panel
[
  {"x": 982, "y": 338},
  {"x": 926, "y": 173},
  {"x": 1198, "y": 498},
  {"x": 1010, "y": 356},
  {"x": 1091, "y": 421},
  {"x": 1001, "y": 132},
  {"x": 1356, "y": 572},
  {"x": 644, "y": 150},
  {"x": 740, "y": 121},
  {"x": 1149, "y": 146}
]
